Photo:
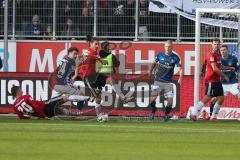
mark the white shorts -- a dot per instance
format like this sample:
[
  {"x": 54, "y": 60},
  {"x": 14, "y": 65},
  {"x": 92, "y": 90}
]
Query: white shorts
[
  {"x": 231, "y": 88},
  {"x": 166, "y": 88},
  {"x": 65, "y": 90}
]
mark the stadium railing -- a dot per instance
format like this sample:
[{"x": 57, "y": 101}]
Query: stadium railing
[{"x": 72, "y": 20}]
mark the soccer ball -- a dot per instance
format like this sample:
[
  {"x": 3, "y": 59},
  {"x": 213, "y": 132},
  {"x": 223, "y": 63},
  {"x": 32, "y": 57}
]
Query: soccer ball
[{"x": 103, "y": 117}]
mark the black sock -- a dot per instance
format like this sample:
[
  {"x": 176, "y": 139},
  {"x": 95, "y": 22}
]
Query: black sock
[
  {"x": 168, "y": 109},
  {"x": 211, "y": 108},
  {"x": 80, "y": 105},
  {"x": 153, "y": 105}
]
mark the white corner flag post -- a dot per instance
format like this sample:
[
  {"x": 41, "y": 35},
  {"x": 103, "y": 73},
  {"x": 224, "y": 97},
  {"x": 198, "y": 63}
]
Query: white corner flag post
[{"x": 5, "y": 63}]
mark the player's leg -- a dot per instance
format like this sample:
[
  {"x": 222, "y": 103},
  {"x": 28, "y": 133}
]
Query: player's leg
[
  {"x": 115, "y": 87},
  {"x": 97, "y": 83},
  {"x": 226, "y": 90},
  {"x": 73, "y": 91},
  {"x": 155, "y": 91},
  {"x": 208, "y": 96},
  {"x": 117, "y": 90},
  {"x": 55, "y": 94},
  {"x": 168, "y": 93},
  {"x": 217, "y": 92},
  {"x": 217, "y": 107},
  {"x": 51, "y": 104},
  {"x": 212, "y": 103},
  {"x": 54, "y": 103}
]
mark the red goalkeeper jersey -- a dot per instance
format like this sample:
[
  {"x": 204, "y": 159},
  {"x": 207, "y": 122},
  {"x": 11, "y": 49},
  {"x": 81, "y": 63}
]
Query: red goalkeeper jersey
[
  {"x": 211, "y": 76},
  {"x": 25, "y": 107},
  {"x": 89, "y": 65}
]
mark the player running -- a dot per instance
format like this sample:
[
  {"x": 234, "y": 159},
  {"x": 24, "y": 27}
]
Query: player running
[
  {"x": 164, "y": 65},
  {"x": 213, "y": 85},
  {"x": 25, "y": 106}
]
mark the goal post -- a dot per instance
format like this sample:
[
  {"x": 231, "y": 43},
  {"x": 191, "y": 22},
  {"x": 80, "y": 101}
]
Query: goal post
[{"x": 220, "y": 20}]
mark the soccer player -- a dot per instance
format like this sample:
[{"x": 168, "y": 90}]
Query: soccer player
[
  {"x": 232, "y": 65},
  {"x": 230, "y": 69},
  {"x": 66, "y": 73},
  {"x": 165, "y": 63},
  {"x": 213, "y": 85},
  {"x": 93, "y": 81},
  {"x": 25, "y": 106}
]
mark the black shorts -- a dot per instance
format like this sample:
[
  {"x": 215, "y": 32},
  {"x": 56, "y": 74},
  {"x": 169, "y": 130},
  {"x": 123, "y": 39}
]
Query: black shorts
[
  {"x": 51, "y": 104},
  {"x": 97, "y": 81},
  {"x": 214, "y": 89}
]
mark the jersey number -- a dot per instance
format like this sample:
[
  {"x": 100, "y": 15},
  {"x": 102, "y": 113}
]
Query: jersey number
[{"x": 24, "y": 107}]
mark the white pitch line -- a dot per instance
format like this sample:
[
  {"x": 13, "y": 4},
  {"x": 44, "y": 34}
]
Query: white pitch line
[{"x": 135, "y": 127}]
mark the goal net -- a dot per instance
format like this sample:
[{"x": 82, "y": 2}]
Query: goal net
[{"x": 215, "y": 23}]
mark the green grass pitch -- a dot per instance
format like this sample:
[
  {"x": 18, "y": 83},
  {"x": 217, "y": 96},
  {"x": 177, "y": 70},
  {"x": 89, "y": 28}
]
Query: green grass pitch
[{"x": 118, "y": 140}]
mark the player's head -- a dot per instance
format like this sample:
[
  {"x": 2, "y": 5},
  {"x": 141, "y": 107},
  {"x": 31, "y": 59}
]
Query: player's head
[
  {"x": 215, "y": 44},
  {"x": 16, "y": 91},
  {"x": 224, "y": 51},
  {"x": 168, "y": 46},
  {"x": 93, "y": 42},
  {"x": 73, "y": 52},
  {"x": 105, "y": 46}
]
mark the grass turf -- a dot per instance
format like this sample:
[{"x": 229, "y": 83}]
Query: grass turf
[{"x": 118, "y": 140}]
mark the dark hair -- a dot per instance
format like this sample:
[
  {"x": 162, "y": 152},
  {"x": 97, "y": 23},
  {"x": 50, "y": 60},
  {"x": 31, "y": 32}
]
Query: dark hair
[
  {"x": 224, "y": 45},
  {"x": 91, "y": 39},
  {"x": 14, "y": 90},
  {"x": 105, "y": 46},
  {"x": 72, "y": 49},
  {"x": 216, "y": 40}
]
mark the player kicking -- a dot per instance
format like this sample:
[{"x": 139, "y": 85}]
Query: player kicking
[
  {"x": 232, "y": 65},
  {"x": 165, "y": 63},
  {"x": 213, "y": 85},
  {"x": 25, "y": 106}
]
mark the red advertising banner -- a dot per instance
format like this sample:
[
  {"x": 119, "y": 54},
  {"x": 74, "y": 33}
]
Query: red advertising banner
[{"x": 134, "y": 57}]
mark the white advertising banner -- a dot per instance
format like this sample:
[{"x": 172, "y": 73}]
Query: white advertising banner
[
  {"x": 11, "y": 55},
  {"x": 187, "y": 9},
  {"x": 224, "y": 113}
]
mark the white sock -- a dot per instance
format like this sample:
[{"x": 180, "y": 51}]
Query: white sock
[
  {"x": 215, "y": 110},
  {"x": 118, "y": 91},
  {"x": 197, "y": 108},
  {"x": 77, "y": 98},
  {"x": 98, "y": 108}
]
